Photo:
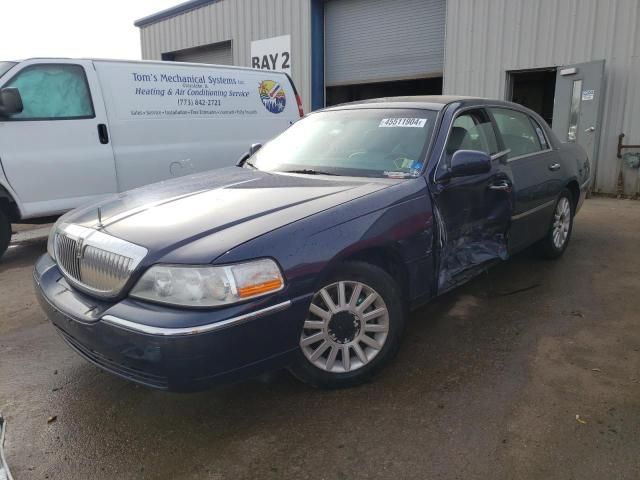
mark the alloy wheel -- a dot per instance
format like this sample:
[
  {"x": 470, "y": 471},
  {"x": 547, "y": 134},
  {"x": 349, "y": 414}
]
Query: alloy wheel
[
  {"x": 346, "y": 327},
  {"x": 561, "y": 222}
]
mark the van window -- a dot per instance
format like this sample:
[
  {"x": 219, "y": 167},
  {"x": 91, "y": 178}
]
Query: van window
[
  {"x": 53, "y": 92},
  {"x": 517, "y": 132}
]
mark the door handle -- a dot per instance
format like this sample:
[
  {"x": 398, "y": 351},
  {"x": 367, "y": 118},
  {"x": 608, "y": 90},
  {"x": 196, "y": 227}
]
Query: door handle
[
  {"x": 590, "y": 129},
  {"x": 554, "y": 166},
  {"x": 501, "y": 186},
  {"x": 103, "y": 133}
]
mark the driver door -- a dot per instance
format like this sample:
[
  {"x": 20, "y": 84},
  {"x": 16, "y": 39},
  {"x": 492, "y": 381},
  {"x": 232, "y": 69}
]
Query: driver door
[{"x": 472, "y": 212}]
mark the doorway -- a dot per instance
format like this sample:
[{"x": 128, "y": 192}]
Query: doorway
[
  {"x": 534, "y": 89},
  {"x": 364, "y": 91}
]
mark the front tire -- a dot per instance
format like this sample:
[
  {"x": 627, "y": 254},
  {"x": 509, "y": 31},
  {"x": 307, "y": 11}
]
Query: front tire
[
  {"x": 5, "y": 233},
  {"x": 557, "y": 238},
  {"x": 353, "y": 328}
]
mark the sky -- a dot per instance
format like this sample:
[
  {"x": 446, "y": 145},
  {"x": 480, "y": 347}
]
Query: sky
[{"x": 74, "y": 28}]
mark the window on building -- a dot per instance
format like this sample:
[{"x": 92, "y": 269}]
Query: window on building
[
  {"x": 55, "y": 92},
  {"x": 517, "y": 131}
]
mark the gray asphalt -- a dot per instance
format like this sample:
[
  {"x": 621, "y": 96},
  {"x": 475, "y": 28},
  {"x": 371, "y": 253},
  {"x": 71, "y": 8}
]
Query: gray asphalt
[{"x": 530, "y": 371}]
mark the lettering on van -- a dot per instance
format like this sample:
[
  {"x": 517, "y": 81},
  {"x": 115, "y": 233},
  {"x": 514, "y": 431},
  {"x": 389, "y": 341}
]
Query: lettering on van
[{"x": 181, "y": 93}]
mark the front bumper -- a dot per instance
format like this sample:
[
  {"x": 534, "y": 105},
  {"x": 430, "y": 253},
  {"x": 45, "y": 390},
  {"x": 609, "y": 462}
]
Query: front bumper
[{"x": 170, "y": 348}]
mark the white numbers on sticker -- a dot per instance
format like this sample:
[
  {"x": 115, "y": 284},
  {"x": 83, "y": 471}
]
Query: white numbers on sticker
[{"x": 403, "y": 122}]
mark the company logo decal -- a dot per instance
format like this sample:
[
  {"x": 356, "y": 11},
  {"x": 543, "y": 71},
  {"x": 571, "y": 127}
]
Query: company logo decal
[{"x": 272, "y": 96}]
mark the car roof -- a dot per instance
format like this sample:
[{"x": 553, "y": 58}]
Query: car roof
[{"x": 427, "y": 102}]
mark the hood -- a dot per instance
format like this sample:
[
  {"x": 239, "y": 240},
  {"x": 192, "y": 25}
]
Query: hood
[{"x": 234, "y": 204}]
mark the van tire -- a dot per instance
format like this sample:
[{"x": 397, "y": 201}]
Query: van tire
[{"x": 5, "y": 232}]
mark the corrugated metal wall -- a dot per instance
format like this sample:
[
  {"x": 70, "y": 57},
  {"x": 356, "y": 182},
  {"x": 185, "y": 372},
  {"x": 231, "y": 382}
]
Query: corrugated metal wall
[
  {"x": 240, "y": 21},
  {"x": 487, "y": 38},
  {"x": 218, "y": 54},
  {"x": 379, "y": 40}
]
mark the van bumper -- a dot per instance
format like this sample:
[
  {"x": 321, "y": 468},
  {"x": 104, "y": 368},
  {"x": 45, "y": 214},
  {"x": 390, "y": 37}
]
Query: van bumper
[{"x": 190, "y": 351}]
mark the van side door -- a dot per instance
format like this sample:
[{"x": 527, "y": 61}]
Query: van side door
[{"x": 56, "y": 153}]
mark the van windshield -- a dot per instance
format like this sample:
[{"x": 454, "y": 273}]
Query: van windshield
[
  {"x": 5, "y": 66},
  {"x": 368, "y": 142}
]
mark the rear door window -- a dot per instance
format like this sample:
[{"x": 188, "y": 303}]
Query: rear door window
[
  {"x": 53, "y": 92},
  {"x": 518, "y": 132}
]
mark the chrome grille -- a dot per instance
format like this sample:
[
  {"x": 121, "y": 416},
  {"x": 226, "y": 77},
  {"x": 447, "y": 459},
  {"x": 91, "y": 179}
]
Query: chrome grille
[{"x": 95, "y": 261}]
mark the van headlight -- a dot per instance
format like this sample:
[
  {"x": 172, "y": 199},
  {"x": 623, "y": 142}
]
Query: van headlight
[{"x": 209, "y": 286}]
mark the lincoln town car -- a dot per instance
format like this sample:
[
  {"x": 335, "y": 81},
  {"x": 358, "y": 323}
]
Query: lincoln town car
[{"x": 310, "y": 253}]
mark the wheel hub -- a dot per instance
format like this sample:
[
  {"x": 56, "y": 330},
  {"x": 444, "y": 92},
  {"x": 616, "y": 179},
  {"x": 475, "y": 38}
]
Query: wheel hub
[{"x": 343, "y": 327}]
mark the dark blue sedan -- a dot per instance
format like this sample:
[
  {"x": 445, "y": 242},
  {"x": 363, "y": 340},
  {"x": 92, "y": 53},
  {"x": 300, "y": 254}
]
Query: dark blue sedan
[{"x": 310, "y": 253}]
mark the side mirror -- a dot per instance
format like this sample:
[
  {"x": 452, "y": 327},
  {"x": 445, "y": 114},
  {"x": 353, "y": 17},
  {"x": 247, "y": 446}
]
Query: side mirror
[
  {"x": 465, "y": 163},
  {"x": 254, "y": 148},
  {"x": 245, "y": 156},
  {"x": 10, "y": 102}
]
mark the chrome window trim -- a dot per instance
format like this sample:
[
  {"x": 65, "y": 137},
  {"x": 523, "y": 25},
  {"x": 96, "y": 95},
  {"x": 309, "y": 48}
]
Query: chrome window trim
[
  {"x": 533, "y": 210},
  {"x": 179, "y": 332},
  {"x": 527, "y": 155}
]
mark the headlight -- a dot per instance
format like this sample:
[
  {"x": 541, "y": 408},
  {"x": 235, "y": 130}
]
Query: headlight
[{"x": 209, "y": 286}]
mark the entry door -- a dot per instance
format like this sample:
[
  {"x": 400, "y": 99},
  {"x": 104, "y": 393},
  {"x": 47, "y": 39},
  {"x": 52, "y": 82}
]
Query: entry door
[
  {"x": 577, "y": 110},
  {"x": 473, "y": 212},
  {"x": 54, "y": 154}
]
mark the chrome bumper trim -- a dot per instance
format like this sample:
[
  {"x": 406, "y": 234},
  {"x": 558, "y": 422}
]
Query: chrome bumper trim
[
  {"x": 179, "y": 332},
  {"x": 585, "y": 184}
]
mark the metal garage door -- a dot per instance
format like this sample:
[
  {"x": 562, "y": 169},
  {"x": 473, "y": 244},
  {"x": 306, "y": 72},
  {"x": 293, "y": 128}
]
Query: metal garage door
[
  {"x": 217, "y": 53},
  {"x": 379, "y": 40}
]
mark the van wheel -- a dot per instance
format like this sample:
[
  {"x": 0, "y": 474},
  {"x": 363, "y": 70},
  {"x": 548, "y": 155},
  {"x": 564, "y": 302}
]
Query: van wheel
[
  {"x": 557, "y": 238},
  {"x": 5, "y": 232},
  {"x": 353, "y": 328}
]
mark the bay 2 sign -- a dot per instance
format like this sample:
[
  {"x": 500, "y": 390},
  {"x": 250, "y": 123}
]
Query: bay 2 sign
[{"x": 272, "y": 54}]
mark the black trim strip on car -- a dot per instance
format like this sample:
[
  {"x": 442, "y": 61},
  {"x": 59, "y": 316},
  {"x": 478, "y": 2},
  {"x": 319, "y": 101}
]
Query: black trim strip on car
[{"x": 533, "y": 210}]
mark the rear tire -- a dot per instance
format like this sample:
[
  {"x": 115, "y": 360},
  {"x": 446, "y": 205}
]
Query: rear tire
[
  {"x": 353, "y": 328},
  {"x": 556, "y": 240},
  {"x": 5, "y": 232}
]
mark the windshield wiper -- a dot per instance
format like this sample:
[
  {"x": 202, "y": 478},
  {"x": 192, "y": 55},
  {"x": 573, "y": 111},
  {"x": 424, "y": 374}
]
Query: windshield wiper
[
  {"x": 310, "y": 171},
  {"x": 253, "y": 167}
]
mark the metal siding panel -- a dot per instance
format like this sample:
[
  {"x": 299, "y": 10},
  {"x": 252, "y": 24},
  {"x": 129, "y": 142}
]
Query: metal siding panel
[
  {"x": 385, "y": 40},
  {"x": 566, "y": 32},
  {"x": 240, "y": 21}
]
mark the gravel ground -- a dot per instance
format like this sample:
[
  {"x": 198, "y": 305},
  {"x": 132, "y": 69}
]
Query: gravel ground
[{"x": 530, "y": 371}]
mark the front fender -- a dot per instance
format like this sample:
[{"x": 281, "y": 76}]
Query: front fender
[{"x": 396, "y": 219}]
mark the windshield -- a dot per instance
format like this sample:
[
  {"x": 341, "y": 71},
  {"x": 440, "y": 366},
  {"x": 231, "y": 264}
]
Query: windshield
[
  {"x": 5, "y": 66},
  {"x": 387, "y": 143}
]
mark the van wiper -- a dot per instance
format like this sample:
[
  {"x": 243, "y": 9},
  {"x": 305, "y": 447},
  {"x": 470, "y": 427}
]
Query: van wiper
[{"x": 310, "y": 171}]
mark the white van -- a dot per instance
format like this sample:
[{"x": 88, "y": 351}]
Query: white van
[{"x": 72, "y": 131}]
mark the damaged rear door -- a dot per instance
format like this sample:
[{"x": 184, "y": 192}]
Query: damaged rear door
[{"x": 473, "y": 212}]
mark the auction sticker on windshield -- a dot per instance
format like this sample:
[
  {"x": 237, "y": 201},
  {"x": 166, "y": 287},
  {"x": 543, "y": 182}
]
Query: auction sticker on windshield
[{"x": 403, "y": 122}]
